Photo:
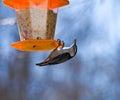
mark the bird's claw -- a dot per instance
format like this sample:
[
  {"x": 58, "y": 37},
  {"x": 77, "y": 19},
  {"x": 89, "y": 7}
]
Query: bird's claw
[{"x": 60, "y": 43}]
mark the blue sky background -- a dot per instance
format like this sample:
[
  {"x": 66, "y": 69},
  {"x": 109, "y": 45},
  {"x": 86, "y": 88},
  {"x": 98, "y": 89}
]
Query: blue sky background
[{"x": 93, "y": 74}]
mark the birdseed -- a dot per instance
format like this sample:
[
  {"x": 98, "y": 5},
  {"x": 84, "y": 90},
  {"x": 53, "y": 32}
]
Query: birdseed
[{"x": 36, "y": 23}]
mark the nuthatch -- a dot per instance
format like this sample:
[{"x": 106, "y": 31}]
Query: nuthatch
[{"x": 60, "y": 54}]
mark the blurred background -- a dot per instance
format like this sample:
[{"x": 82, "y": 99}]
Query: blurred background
[{"x": 93, "y": 74}]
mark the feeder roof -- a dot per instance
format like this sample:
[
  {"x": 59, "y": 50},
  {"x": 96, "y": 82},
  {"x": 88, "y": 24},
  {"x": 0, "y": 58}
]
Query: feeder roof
[{"x": 22, "y": 4}]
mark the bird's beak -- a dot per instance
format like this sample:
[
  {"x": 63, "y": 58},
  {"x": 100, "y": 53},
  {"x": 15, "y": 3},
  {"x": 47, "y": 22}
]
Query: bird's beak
[{"x": 74, "y": 43}]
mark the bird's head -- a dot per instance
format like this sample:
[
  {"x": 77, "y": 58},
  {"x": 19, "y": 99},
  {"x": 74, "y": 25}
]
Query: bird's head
[{"x": 73, "y": 49}]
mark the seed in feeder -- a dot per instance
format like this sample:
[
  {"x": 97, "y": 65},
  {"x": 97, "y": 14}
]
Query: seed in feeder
[
  {"x": 34, "y": 46},
  {"x": 36, "y": 22},
  {"x": 38, "y": 38}
]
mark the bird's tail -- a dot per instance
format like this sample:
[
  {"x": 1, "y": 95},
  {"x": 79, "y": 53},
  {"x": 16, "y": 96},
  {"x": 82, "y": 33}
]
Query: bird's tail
[{"x": 42, "y": 64}]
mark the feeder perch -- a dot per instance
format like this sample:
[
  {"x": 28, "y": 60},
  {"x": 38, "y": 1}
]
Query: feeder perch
[{"x": 36, "y": 21}]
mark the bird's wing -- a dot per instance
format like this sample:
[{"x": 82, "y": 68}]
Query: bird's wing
[
  {"x": 56, "y": 60},
  {"x": 53, "y": 54}
]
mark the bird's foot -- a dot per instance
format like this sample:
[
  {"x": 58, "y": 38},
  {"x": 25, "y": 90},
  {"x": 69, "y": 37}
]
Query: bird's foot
[{"x": 60, "y": 43}]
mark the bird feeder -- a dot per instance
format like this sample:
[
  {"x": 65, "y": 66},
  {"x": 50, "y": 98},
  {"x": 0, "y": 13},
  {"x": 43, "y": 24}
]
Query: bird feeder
[{"x": 36, "y": 22}]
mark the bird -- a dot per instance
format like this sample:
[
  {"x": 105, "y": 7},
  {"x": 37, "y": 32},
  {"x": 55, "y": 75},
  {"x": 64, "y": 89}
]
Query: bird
[{"x": 60, "y": 54}]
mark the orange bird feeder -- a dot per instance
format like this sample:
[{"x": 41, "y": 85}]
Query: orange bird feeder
[{"x": 36, "y": 21}]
